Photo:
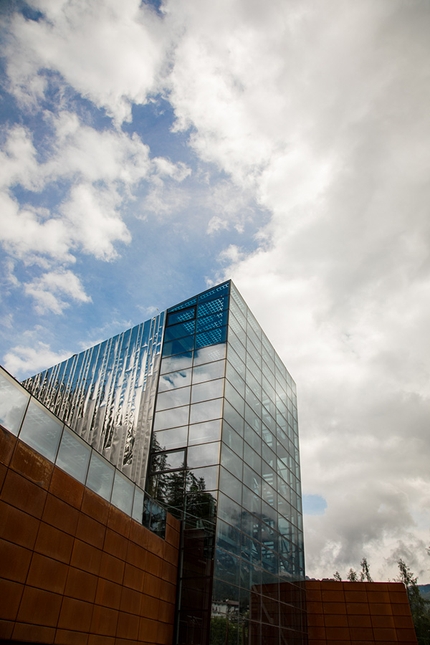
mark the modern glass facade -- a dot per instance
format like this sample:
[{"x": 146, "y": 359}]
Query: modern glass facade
[{"x": 225, "y": 458}]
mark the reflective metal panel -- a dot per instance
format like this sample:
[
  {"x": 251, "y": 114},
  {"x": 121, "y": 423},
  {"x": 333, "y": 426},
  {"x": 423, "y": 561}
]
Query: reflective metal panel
[{"x": 106, "y": 394}]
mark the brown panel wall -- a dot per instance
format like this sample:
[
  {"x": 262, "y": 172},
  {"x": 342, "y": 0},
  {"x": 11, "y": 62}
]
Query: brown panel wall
[
  {"x": 75, "y": 570},
  {"x": 358, "y": 613}
]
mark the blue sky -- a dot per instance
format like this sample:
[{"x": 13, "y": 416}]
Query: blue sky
[{"x": 148, "y": 150}]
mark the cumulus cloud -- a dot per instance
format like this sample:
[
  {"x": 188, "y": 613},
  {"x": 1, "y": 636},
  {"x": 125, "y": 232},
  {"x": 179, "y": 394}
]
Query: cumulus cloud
[
  {"x": 49, "y": 291},
  {"x": 108, "y": 52},
  {"x": 315, "y": 117},
  {"x": 32, "y": 359}
]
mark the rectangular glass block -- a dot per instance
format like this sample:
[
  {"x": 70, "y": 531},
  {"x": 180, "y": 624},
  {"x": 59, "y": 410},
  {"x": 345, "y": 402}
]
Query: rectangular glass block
[
  {"x": 175, "y": 363},
  {"x": 213, "y": 320},
  {"x": 252, "y": 458},
  {"x": 209, "y": 354},
  {"x": 168, "y": 439},
  {"x": 238, "y": 347},
  {"x": 164, "y": 461},
  {"x": 173, "y": 398},
  {"x": 206, "y": 411},
  {"x": 178, "y": 346},
  {"x": 251, "y": 502},
  {"x": 206, "y": 454},
  {"x": 251, "y": 479},
  {"x": 212, "y": 306},
  {"x": 229, "y": 510},
  {"x": 13, "y": 403},
  {"x": 138, "y": 504},
  {"x": 231, "y": 461},
  {"x": 252, "y": 419},
  {"x": 236, "y": 300},
  {"x": 171, "y": 418},
  {"x": 233, "y": 418},
  {"x": 227, "y": 567},
  {"x": 235, "y": 379},
  {"x": 230, "y": 485},
  {"x": 100, "y": 476},
  {"x": 207, "y": 390},
  {"x": 202, "y": 478},
  {"x": 232, "y": 439},
  {"x": 41, "y": 430},
  {"x": 186, "y": 304},
  {"x": 208, "y": 372},
  {"x": 122, "y": 493},
  {"x": 174, "y": 380},
  {"x": 218, "y": 291},
  {"x": 211, "y": 337},
  {"x": 74, "y": 455},
  {"x": 253, "y": 438},
  {"x": 236, "y": 362},
  {"x": 228, "y": 537},
  {"x": 179, "y": 331},
  {"x": 204, "y": 432},
  {"x": 238, "y": 327},
  {"x": 180, "y": 316}
]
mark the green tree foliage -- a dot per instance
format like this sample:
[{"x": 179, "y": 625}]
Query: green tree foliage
[{"x": 419, "y": 606}]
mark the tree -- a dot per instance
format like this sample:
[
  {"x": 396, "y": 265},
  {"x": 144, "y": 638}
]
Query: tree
[
  {"x": 365, "y": 572},
  {"x": 352, "y": 576},
  {"x": 419, "y": 606}
]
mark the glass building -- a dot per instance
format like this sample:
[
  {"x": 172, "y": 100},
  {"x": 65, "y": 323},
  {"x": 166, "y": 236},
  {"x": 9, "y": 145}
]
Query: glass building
[{"x": 196, "y": 405}]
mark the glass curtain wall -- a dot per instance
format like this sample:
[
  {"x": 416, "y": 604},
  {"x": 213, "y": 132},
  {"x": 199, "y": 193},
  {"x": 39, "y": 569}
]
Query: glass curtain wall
[{"x": 225, "y": 458}]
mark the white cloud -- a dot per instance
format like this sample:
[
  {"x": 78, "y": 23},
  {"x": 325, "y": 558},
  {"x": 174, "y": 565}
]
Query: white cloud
[
  {"x": 50, "y": 290},
  {"x": 23, "y": 359},
  {"x": 110, "y": 53},
  {"x": 318, "y": 114}
]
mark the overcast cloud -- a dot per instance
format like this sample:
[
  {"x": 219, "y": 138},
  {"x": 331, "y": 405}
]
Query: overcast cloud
[{"x": 149, "y": 150}]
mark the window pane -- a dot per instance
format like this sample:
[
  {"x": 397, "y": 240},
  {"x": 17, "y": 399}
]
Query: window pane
[
  {"x": 211, "y": 337},
  {"x": 214, "y": 320},
  {"x": 122, "y": 494},
  {"x": 208, "y": 390},
  {"x": 233, "y": 418},
  {"x": 212, "y": 307},
  {"x": 230, "y": 486},
  {"x": 209, "y": 354},
  {"x": 171, "y": 418},
  {"x": 207, "y": 478},
  {"x": 167, "y": 439},
  {"x": 206, "y": 411},
  {"x": 174, "y": 380},
  {"x": 41, "y": 430},
  {"x": 232, "y": 439},
  {"x": 232, "y": 462},
  {"x": 13, "y": 402},
  {"x": 229, "y": 510},
  {"x": 178, "y": 331},
  {"x": 207, "y": 454},
  {"x": 174, "y": 363},
  {"x": 173, "y": 398},
  {"x": 208, "y": 372},
  {"x": 168, "y": 460},
  {"x": 233, "y": 397},
  {"x": 178, "y": 346},
  {"x": 138, "y": 505},
  {"x": 100, "y": 476},
  {"x": 180, "y": 316},
  {"x": 74, "y": 455},
  {"x": 204, "y": 432}
]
